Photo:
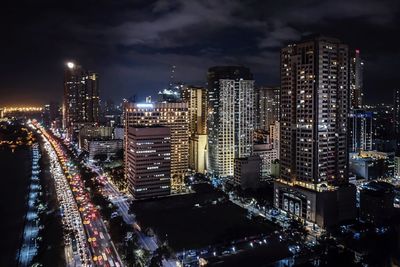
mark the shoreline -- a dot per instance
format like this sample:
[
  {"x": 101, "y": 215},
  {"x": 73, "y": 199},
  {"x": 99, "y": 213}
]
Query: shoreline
[{"x": 30, "y": 232}]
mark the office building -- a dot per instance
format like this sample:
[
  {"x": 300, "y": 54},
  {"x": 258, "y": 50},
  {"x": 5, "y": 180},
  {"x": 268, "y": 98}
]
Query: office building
[
  {"x": 90, "y": 132},
  {"x": 247, "y": 172},
  {"x": 379, "y": 202},
  {"x": 106, "y": 148},
  {"x": 196, "y": 99},
  {"x": 172, "y": 115},
  {"x": 356, "y": 80},
  {"x": 371, "y": 165},
  {"x": 384, "y": 137},
  {"x": 268, "y": 155},
  {"x": 51, "y": 115},
  {"x": 231, "y": 117},
  {"x": 81, "y": 98},
  {"x": 313, "y": 182},
  {"x": 118, "y": 133},
  {"x": 360, "y": 130},
  {"x": 267, "y": 106},
  {"x": 148, "y": 161}
]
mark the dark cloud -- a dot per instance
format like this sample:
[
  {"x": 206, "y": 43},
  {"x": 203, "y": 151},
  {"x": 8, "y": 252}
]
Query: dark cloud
[{"x": 132, "y": 44}]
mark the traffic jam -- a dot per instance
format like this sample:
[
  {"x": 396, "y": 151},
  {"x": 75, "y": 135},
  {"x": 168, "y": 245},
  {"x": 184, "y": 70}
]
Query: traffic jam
[{"x": 85, "y": 231}]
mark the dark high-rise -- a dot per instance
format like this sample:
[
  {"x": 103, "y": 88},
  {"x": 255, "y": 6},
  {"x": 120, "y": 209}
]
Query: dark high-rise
[
  {"x": 356, "y": 80},
  {"x": 267, "y": 106},
  {"x": 360, "y": 130},
  {"x": 81, "y": 97}
]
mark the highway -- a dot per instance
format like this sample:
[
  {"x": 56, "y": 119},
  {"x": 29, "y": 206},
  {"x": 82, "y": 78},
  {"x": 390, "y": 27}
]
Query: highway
[
  {"x": 86, "y": 236},
  {"x": 122, "y": 202}
]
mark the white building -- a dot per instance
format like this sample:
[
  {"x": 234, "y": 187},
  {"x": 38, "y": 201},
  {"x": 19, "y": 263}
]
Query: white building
[{"x": 231, "y": 117}]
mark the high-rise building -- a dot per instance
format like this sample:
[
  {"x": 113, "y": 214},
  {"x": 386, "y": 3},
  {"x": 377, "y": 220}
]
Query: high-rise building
[
  {"x": 51, "y": 114},
  {"x": 81, "y": 98},
  {"x": 396, "y": 117},
  {"x": 314, "y": 108},
  {"x": 196, "y": 98},
  {"x": 231, "y": 119},
  {"x": 267, "y": 106},
  {"x": 356, "y": 80},
  {"x": 360, "y": 130},
  {"x": 148, "y": 161},
  {"x": 313, "y": 182},
  {"x": 172, "y": 115},
  {"x": 275, "y": 134}
]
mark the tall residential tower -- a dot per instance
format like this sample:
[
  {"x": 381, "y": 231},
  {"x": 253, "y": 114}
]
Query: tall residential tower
[
  {"x": 231, "y": 117},
  {"x": 81, "y": 98},
  {"x": 356, "y": 80},
  {"x": 313, "y": 134},
  {"x": 314, "y": 108},
  {"x": 267, "y": 106}
]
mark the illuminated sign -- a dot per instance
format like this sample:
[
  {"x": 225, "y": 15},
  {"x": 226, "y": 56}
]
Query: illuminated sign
[{"x": 146, "y": 105}]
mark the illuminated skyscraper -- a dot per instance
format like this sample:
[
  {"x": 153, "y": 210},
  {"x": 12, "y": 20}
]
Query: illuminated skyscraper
[
  {"x": 314, "y": 108},
  {"x": 356, "y": 80},
  {"x": 171, "y": 115},
  {"x": 313, "y": 182},
  {"x": 81, "y": 98},
  {"x": 196, "y": 98},
  {"x": 267, "y": 106},
  {"x": 231, "y": 117},
  {"x": 148, "y": 161}
]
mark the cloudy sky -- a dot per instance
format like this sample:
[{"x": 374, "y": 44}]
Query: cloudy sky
[{"x": 133, "y": 43}]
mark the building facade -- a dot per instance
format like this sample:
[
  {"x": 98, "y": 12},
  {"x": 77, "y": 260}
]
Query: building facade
[
  {"x": 107, "y": 148},
  {"x": 148, "y": 161},
  {"x": 313, "y": 182},
  {"x": 268, "y": 155},
  {"x": 247, "y": 172},
  {"x": 396, "y": 117},
  {"x": 267, "y": 106},
  {"x": 171, "y": 115},
  {"x": 196, "y": 98},
  {"x": 81, "y": 101},
  {"x": 314, "y": 108},
  {"x": 231, "y": 117},
  {"x": 360, "y": 130},
  {"x": 356, "y": 80}
]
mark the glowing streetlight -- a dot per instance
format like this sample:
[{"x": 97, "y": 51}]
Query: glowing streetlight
[{"x": 70, "y": 65}]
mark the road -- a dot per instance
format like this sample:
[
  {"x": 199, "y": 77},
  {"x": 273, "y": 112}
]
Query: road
[
  {"x": 85, "y": 231},
  {"x": 122, "y": 202}
]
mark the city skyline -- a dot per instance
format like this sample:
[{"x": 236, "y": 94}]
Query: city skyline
[
  {"x": 188, "y": 133},
  {"x": 134, "y": 48}
]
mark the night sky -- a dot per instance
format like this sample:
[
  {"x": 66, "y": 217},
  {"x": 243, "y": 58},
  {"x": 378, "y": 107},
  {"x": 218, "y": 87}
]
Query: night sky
[{"x": 132, "y": 44}]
